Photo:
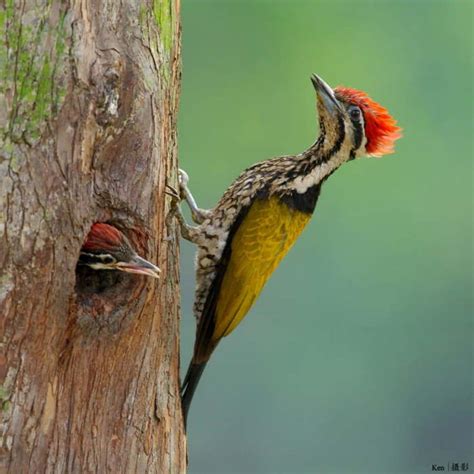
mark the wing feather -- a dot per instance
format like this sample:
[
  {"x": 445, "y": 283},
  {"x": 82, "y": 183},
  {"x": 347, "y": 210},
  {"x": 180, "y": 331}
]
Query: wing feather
[{"x": 263, "y": 238}]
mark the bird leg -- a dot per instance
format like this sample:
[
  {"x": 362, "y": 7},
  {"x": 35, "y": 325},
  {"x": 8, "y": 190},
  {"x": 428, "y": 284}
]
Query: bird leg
[
  {"x": 188, "y": 232},
  {"x": 198, "y": 215}
]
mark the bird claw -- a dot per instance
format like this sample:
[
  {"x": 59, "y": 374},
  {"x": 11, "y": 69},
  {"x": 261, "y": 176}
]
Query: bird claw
[
  {"x": 183, "y": 180},
  {"x": 176, "y": 199},
  {"x": 172, "y": 192}
]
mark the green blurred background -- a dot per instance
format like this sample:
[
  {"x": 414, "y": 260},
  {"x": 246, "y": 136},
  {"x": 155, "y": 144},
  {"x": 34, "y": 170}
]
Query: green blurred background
[{"x": 358, "y": 356}]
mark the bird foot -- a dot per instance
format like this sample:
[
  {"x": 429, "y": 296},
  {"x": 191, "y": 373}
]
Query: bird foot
[
  {"x": 171, "y": 191},
  {"x": 183, "y": 179},
  {"x": 199, "y": 215}
]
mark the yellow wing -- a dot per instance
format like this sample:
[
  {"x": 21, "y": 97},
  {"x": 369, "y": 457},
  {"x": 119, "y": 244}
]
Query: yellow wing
[{"x": 264, "y": 237}]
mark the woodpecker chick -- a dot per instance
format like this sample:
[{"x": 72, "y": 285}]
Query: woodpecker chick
[
  {"x": 243, "y": 239},
  {"x": 106, "y": 248}
]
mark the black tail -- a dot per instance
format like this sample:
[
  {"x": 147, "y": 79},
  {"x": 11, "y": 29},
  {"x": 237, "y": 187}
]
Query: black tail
[{"x": 189, "y": 386}]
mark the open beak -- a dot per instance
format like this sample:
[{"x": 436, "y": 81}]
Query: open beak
[
  {"x": 326, "y": 94},
  {"x": 140, "y": 266}
]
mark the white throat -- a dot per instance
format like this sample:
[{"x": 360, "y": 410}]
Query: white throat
[{"x": 303, "y": 183}]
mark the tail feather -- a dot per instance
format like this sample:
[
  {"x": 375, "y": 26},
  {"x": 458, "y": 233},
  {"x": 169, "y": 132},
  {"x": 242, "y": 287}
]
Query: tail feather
[{"x": 190, "y": 383}]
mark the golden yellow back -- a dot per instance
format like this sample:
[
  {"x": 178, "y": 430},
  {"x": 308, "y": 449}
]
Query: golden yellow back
[{"x": 264, "y": 237}]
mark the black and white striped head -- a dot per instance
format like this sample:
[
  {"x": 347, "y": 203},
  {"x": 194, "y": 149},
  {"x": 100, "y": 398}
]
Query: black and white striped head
[
  {"x": 362, "y": 126},
  {"x": 106, "y": 248}
]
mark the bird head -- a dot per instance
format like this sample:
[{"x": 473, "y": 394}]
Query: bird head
[
  {"x": 106, "y": 248},
  {"x": 367, "y": 127}
]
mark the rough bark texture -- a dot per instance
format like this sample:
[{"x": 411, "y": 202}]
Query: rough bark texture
[{"x": 88, "y": 104}]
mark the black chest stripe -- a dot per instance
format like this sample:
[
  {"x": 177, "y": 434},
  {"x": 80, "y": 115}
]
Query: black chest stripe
[{"x": 303, "y": 202}]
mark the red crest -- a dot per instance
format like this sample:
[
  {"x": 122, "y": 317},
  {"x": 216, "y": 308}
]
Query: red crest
[
  {"x": 381, "y": 128},
  {"x": 102, "y": 237}
]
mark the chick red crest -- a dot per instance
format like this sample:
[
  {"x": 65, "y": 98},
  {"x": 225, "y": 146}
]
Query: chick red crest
[
  {"x": 381, "y": 128},
  {"x": 103, "y": 236}
]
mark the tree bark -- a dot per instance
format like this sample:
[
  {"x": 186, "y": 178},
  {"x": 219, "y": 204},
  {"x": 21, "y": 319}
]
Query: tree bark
[{"x": 88, "y": 105}]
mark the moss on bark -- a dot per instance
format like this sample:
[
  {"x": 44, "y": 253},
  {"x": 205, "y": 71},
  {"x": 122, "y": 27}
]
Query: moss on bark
[{"x": 31, "y": 69}]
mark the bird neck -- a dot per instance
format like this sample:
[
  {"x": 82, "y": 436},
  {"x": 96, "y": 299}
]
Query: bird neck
[{"x": 321, "y": 159}]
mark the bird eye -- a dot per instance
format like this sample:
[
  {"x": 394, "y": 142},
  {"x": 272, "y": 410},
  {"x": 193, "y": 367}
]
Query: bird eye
[
  {"x": 107, "y": 259},
  {"x": 355, "y": 113}
]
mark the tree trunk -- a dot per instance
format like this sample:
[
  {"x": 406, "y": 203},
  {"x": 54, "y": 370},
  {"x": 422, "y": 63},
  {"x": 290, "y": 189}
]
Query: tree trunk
[{"x": 88, "y": 104}]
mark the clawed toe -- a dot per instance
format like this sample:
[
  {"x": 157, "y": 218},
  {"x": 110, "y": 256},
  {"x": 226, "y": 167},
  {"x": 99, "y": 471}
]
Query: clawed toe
[{"x": 171, "y": 191}]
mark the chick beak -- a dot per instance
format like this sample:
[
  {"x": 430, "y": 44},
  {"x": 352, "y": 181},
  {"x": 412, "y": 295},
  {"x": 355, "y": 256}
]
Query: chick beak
[
  {"x": 140, "y": 266},
  {"x": 326, "y": 95}
]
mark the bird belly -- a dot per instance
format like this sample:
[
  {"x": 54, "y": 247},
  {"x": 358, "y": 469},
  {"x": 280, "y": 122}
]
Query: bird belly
[{"x": 264, "y": 237}]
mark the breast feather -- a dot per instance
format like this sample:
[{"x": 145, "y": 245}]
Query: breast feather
[{"x": 264, "y": 237}]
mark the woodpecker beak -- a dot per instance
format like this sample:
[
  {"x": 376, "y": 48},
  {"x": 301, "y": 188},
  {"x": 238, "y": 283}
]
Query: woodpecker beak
[
  {"x": 140, "y": 266},
  {"x": 326, "y": 94}
]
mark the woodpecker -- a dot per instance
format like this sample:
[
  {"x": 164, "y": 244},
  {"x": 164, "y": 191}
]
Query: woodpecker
[
  {"x": 106, "y": 248},
  {"x": 243, "y": 239}
]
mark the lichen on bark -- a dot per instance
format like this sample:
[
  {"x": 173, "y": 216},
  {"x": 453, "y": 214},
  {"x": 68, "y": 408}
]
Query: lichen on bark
[
  {"x": 162, "y": 12},
  {"x": 31, "y": 69}
]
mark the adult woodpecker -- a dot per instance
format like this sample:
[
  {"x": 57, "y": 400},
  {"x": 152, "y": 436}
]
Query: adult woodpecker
[
  {"x": 243, "y": 239},
  {"x": 106, "y": 248}
]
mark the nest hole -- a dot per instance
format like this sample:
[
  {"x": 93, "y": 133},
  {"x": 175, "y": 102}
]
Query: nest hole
[{"x": 106, "y": 298}]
